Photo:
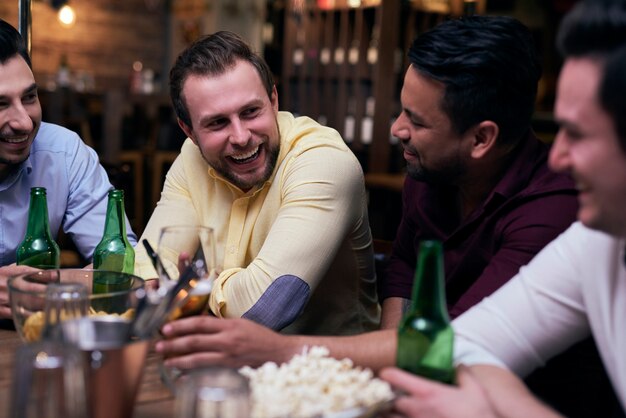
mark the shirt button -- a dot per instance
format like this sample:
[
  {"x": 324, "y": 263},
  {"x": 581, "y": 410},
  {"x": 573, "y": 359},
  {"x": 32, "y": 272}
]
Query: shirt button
[{"x": 232, "y": 249}]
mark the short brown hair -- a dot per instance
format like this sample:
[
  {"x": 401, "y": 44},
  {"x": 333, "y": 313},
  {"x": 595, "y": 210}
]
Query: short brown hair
[{"x": 213, "y": 55}]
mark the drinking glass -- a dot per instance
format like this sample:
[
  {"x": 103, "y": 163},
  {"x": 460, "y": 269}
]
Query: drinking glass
[
  {"x": 215, "y": 392},
  {"x": 116, "y": 363},
  {"x": 63, "y": 301},
  {"x": 49, "y": 381},
  {"x": 178, "y": 247}
]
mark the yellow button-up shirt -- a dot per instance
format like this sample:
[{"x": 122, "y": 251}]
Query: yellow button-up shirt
[{"x": 309, "y": 220}]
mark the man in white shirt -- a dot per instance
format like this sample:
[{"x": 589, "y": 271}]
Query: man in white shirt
[{"x": 576, "y": 286}]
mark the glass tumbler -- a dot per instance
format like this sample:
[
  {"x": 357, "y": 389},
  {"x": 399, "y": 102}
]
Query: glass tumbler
[
  {"x": 179, "y": 246},
  {"x": 49, "y": 381},
  {"x": 215, "y": 392}
]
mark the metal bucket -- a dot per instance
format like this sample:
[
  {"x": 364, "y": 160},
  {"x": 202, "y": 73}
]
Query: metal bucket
[{"x": 117, "y": 363}]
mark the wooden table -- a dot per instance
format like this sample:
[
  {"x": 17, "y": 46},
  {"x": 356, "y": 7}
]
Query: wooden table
[{"x": 154, "y": 400}]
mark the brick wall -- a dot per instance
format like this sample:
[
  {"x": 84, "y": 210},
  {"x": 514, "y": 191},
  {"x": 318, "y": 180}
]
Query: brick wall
[{"x": 108, "y": 36}]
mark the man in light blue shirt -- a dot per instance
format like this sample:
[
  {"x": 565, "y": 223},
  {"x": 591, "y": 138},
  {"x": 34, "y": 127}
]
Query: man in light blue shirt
[{"x": 38, "y": 154}]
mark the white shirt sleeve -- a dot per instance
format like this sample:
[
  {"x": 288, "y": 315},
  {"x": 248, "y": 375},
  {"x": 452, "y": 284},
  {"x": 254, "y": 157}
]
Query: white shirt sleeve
[{"x": 535, "y": 316}]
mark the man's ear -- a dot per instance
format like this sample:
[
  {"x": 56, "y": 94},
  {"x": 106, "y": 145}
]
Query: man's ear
[
  {"x": 485, "y": 136},
  {"x": 274, "y": 98},
  {"x": 186, "y": 129}
]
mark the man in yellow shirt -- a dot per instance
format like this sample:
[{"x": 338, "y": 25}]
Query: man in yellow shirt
[{"x": 284, "y": 195}]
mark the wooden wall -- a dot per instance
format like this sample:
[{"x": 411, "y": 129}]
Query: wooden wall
[{"x": 108, "y": 36}]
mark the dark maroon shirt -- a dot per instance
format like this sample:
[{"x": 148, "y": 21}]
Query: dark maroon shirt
[{"x": 528, "y": 208}]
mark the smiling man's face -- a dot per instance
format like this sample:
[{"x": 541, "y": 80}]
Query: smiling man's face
[
  {"x": 587, "y": 147},
  {"x": 20, "y": 113},
  {"x": 433, "y": 150},
  {"x": 233, "y": 122}
]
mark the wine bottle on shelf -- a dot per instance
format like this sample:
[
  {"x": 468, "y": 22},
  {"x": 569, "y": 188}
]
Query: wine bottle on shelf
[
  {"x": 425, "y": 336},
  {"x": 367, "y": 123},
  {"x": 114, "y": 252},
  {"x": 38, "y": 249},
  {"x": 325, "y": 56},
  {"x": 353, "y": 52},
  {"x": 349, "y": 122},
  {"x": 298, "y": 51},
  {"x": 372, "y": 49},
  {"x": 339, "y": 55}
]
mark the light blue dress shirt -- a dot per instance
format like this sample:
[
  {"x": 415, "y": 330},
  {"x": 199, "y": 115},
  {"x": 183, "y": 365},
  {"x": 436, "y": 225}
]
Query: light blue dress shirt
[{"x": 77, "y": 190}]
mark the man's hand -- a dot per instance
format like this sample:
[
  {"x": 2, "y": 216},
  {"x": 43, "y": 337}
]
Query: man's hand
[
  {"x": 5, "y": 273},
  {"x": 205, "y": 340},
  {"x": 426, "y": 398}
]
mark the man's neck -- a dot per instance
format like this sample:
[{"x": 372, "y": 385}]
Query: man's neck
[
  {"x": 479, "y": 181},
  {"x": 472, "y": 196}
]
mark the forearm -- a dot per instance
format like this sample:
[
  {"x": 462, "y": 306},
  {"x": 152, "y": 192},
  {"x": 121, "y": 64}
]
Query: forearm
[
  {"x": 373, "y": 350},
  {"x": 205, "y": 340},
  {"x": 392, "y": 312},
  {"x": 508, "y": 395}
]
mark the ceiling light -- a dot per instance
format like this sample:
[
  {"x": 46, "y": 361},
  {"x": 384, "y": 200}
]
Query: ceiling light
[{"x": 66, "y": 16}]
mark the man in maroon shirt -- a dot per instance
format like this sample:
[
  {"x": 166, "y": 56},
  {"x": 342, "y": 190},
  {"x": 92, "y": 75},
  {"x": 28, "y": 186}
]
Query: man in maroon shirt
[{"x": 478, "y": 178}]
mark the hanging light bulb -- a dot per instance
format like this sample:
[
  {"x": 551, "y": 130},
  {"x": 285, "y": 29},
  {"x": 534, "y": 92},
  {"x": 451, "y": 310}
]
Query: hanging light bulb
[{"x": 67, "y": 16}]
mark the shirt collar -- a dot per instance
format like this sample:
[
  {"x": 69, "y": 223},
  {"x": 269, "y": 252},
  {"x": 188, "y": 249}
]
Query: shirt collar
[
  {"x": 25, "y": 167},
  {"x": 520, "y": 169},
  {"x": 236, "y": 190}
]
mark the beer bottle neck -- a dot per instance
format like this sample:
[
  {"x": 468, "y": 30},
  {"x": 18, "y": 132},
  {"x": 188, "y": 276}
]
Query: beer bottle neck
[
  {"x": 115, "y": 223},
  {"x": 38, "y": 224},
  {"x": 428, "y": 298}
]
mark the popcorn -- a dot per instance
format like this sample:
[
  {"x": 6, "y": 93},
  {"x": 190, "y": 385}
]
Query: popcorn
[
  {"x": 33, "y": 326},
  {"x": 313, "y": 384}
]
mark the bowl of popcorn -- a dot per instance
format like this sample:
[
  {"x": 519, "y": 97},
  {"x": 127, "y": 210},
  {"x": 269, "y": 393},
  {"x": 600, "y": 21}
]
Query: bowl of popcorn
[
  {"x": 107, "y": 293},
  {"x": 314, "y": 385}
]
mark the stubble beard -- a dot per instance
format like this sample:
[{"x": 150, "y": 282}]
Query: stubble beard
[
  {"x": 270, "y": 164},
  {"x": 13, "y": 162},
  {"x": 448, "y": 175}
]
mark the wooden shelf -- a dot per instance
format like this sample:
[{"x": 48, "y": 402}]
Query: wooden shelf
[{"x": 334, "y": 70}]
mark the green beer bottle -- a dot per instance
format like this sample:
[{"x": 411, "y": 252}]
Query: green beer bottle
[
  {"x": 425, "y": 336},
  {"x": 38, "y": 249},
  {"x": 114, "y": 252}
]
